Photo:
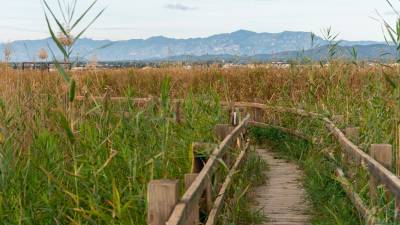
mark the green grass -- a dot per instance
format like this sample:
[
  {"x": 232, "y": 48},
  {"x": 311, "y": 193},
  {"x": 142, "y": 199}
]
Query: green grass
[
  {"x": 100, "y": 176},
  {"x": 239, "y": 207},
  {"x": 98, "y": 173}
]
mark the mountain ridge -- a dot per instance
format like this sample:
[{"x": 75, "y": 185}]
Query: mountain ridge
[{"x": 241, "y": 42}]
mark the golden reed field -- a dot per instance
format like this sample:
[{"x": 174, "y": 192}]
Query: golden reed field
[{"x": 80, "y": 162}]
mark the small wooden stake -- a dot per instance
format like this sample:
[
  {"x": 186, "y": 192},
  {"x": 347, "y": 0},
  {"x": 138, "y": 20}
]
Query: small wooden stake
[
  {"x": 162, "y": 196},
  {"x": 194, "y": 218}
]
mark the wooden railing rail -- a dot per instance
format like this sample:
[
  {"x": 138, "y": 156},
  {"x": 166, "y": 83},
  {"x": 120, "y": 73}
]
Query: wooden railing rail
[{"x": 182, "y": 210}]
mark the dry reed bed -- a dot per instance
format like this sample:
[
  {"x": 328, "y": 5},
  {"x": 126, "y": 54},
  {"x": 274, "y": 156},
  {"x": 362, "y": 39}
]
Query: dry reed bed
[
  {"x": 338, "y": 89},
  {"x": 28, "y": 100}
]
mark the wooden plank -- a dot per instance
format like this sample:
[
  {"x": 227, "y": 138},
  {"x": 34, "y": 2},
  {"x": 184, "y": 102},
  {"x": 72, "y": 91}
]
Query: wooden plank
[
  {"x": 162, "y": 196},
  {"x": 213, "y": 216},
  {"x": 115, "y": 99},
  {"x": 194, "y": 218},
  {"x": 193, "y": 194},
  {"x": 295, "y": 111},
  {"x": 246, "y": 105}
]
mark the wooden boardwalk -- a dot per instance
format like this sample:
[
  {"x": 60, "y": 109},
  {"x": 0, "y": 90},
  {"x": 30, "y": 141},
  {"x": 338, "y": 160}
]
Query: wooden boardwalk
[{"x": 282, "y": 198}]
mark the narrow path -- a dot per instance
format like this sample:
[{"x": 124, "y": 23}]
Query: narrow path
[{"x": 282, "y": 198}]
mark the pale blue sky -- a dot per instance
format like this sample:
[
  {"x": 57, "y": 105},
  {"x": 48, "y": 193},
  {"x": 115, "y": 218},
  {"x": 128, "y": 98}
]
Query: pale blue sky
[{"x": 126, "y": 19}]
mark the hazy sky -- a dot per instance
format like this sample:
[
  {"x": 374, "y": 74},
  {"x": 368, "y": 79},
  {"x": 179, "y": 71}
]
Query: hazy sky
[{"x": 127, "y": 19}]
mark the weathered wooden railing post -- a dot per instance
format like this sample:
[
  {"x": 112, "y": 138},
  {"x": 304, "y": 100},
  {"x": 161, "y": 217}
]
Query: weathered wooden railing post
[
  {"x": 162, "y": 196},
  {"x": 234, "y": 118},
  {"x": 383, "y": 154},
  {"x": 194, "y": 218},
  {"x": 222, "y": 130},
  {"x": 178, "y": 114},
  {"x": 258, "y": 113},
  {"x": 353, "y": 134},
  {"x": 338, "y": 119},
  {"x": 197, "y": 165},
  {"x": 397, "y": 209}
]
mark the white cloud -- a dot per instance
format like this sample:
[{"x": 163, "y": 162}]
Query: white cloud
[{"x": 180, "y": 7}]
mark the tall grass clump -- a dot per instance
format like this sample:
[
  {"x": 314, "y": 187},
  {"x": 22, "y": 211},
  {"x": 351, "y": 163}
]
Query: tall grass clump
[
  {"x": 392, "y": 37},
  {"x": 65, "y": 41},
  {"x": 100, "y": 177}
]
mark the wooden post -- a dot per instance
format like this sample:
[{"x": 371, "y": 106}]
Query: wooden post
[
  {"x": 208, "y": 195},
  {"x": 398, "y": 149},
  {"x": 162, "y": 196},
  {"x": 234, "y": 118},
  {"x": 383, "y": 154},
  {"x": 397, "y": 209},
  {"x": 338, "y": 119},
  {"x": 222, "y": 130},
  {"x": 258, "y": 115},
  {"x": 178, "y": 112},
  {"x": 199, "y": 161},
  {"x": 194, "y": 218},
  {"x": 353, "y": 134}
]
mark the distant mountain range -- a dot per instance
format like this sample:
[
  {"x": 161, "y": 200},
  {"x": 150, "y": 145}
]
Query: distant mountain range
[{"x": 241, "y": 44}]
